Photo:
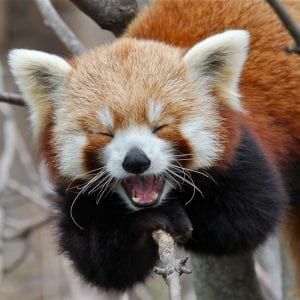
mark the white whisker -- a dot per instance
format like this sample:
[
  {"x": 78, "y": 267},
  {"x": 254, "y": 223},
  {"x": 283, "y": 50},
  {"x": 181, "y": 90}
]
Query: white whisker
[{"x": 192, "y": 184}]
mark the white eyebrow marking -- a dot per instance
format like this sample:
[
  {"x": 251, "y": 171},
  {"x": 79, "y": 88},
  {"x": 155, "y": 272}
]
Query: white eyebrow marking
[
  {"x": 154, "y": 111},
  {"x": 105, "y": 117}
]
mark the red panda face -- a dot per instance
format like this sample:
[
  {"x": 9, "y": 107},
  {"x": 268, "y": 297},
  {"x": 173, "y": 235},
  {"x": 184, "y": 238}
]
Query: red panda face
[
  {"x": 130, "y": 117},
  {"x": 136, "y": 118}
]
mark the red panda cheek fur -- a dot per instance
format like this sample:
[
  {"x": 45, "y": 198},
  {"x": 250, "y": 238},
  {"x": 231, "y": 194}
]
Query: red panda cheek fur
[
  {"x": 47, "y": 149},
  {"x": 92, "y": 151},
  {"x": 180, "y": 144}
]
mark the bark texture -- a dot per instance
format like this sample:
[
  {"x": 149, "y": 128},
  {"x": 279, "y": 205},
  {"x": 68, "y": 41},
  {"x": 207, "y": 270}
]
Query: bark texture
[
  {"x": 225, "y": 278},
  {"x": 112, "y": 15}
]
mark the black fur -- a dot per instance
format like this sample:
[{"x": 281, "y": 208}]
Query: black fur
[
  {"x": 115, "y": 249},
  {"x": 240, "y": 208},
  {"x": 291, "y": 176}
]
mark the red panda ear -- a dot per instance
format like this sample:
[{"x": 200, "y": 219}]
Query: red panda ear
[
  {"x": 41, "y": 78},
  {"x": 217, "y": 63}
]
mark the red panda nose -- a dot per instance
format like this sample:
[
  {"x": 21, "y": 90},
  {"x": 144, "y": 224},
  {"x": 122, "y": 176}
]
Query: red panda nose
[{"x": 136, "y": 161}]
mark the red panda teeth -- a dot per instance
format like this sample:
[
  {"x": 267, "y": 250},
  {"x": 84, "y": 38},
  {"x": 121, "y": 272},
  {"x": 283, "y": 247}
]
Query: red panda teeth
[{"x": 143, "y": 190}]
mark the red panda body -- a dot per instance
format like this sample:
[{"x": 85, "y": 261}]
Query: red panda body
[{"x": 155, "y": 118}]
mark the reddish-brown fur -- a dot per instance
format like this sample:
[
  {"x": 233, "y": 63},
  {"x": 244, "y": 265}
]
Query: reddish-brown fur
[{"x": 270, "y": 84}]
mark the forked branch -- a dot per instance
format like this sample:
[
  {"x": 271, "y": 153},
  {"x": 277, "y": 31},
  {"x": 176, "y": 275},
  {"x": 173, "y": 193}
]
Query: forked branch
[{"x": 172, "y": 267}]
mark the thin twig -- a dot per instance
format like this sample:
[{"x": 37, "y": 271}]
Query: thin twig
[
  {"x": 266, "y": 282},
  {"x": 19, "y": 261},
  {"x": 29, "y": 194},
  {"x": 12, "y": 98},
  {"x": 54, "y": 21},
  {"x": 9, "y": 144},
  {"x": 172, "y": 267},
  {"x": 1, "y": 242},
  {"x": 112, "y": 15},
  {"x": 27, "y": 229},
  {"x": 26, "y": 159},
  {"x": 289, "y": 23}
]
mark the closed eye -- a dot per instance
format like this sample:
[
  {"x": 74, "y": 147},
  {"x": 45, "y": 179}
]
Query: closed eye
[
  {"x": 109, "y": 134},
  {"x": 158, "y": 128}
]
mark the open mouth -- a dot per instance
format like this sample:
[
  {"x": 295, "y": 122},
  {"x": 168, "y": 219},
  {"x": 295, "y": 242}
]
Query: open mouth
[{"x": 143, "y": 190}]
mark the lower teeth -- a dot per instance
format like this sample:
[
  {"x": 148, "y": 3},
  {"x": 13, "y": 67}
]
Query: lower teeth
[
  {"x": 136, "y": 199},
  {"x": 154, "y": 196}
]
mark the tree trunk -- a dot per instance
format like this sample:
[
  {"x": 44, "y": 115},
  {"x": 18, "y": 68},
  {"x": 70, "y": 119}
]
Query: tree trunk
[{"x": 225, "y": 278}]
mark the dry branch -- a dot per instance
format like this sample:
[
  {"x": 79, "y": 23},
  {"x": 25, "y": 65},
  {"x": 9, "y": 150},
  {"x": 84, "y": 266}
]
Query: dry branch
[
  {"x": 266, "y": 281},
  {"x": 28, "y": 193},
  {"x": 27, "y": 229},
  {"x": 289, "y": 23},
  {"x": 112, "y": 15},
  {"x": 19, "y": 261},
  {"x": 172, "y": 267},
  {"x": 9, "y": 144},
  {"x": 12, "y": 98},
  {"x": 54, "y": 21}
]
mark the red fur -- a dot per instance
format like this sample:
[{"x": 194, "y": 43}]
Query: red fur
[{"x": 270, "y": 82}]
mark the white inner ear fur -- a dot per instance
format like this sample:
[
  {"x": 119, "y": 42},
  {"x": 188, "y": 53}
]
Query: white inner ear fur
[
  {"x": 41, "y": 78},
  {"x": 217, "y": 63}
]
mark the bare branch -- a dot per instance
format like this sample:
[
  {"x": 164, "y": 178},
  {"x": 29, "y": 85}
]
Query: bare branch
[
  {"x": 266, "y": 281},
  {"x": 27, "y": 229},
  {"x": 289, "y": 23},
  {"x": 29, "y": 194},
  {"x": 26, "y": 159},
  {"x": 112, "y": 15},
  {"x": 12, "y": 98},
  {"x": 173, "y": 267},
  {"x": 1, "y": 242},
  {"x": 9, "y": 144},
  {"x": 54, "y": 21},
  {"x": 19, "y": 261}
]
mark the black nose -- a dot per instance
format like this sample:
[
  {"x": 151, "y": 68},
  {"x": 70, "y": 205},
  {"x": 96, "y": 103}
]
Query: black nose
[{"x": 136, "y": 161}]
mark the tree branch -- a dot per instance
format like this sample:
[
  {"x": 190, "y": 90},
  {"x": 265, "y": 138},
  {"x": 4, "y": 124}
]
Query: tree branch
[
  {"x": 27, "y": 229},
  {"x": 112, "y": 15},
  {"x": 54, "y": 21},
  {"x": 12, "y": 98},
  {"x": 172, "y": 267},
  {"x": 289, "y": 23},
  {"x": 19, "y": 261},
  {"x": 9, "y": 145}
]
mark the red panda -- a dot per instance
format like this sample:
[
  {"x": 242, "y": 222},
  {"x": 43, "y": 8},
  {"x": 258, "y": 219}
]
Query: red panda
[{"x": 190, "y": 122}]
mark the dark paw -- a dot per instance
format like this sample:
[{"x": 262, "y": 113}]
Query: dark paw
[
  {"x": 172, "y": 220},
  {"x": 181, "y": 230}
]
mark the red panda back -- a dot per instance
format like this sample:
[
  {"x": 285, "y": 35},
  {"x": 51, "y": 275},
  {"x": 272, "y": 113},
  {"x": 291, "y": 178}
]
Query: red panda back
[{"x": 270, "y": 82}]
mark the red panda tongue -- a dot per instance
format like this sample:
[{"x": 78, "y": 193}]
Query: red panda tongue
[{"x": 144, "y": 189}]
